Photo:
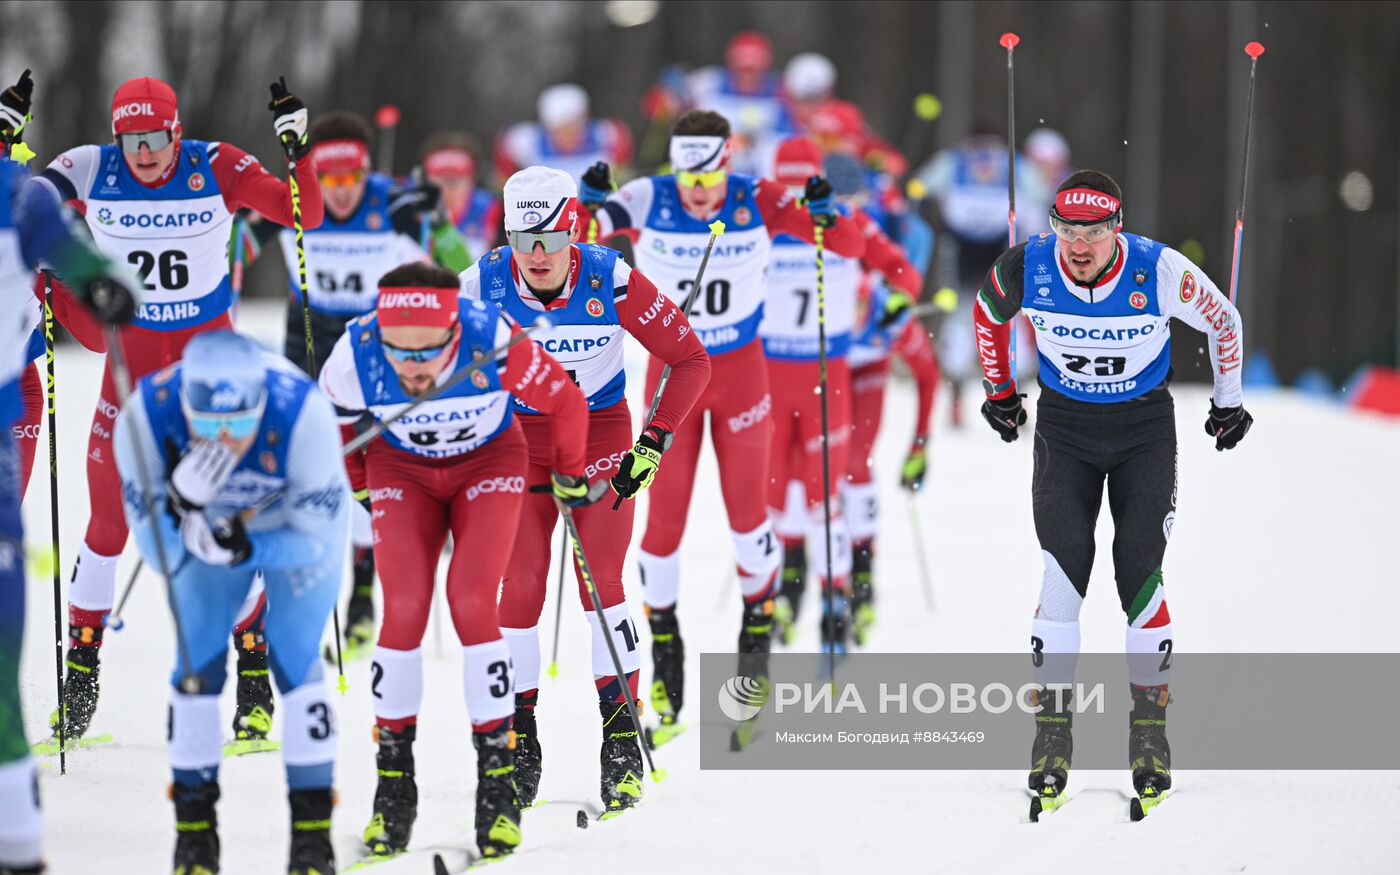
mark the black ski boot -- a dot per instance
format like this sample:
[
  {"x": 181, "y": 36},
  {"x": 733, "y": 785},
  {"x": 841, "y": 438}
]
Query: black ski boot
[
  {"x": 497, "y": 807},
  {"x": 789, "y": 602},
  {"x": 862, "y": 589},
  {"x": 836, "y": 624},
  {"x": 80, "y": 684},
  {"x": 1051, "y": 753},
  {"x": 756, "y": 639},
  {"x": 359, "y": 614},
  {"x": 311, "y": 833},
  {"x": 620, "y": 759},
  {"x": 252, "y": 713},
  {"x": 396, "y": 797},
  {"x": 1149, "y": 755},
  {"x": 196, "y": 829},
  {"x": 529, "y": 758},
  {"x": 668, "y": 670}
]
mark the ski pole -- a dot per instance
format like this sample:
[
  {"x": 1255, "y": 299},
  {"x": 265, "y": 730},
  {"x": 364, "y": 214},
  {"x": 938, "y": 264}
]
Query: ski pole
[
  {"x": 1254, "y": 49},
  {"x": 387, "y": 120},
  {"x": 1009, "y": 41},
  {"x": 919, "y": 554},
  {"x": 820, "y": 240},
  {"x": 716, "y": 231},
  {"x": 559, "y": 604},
  {"x": 290, "y": 145},
  {"x": 121, "y": 379},
  {"x": 114, "y": 620},
  {"x": 53, "y": 519},
  {"x": 568, "y": 514}
]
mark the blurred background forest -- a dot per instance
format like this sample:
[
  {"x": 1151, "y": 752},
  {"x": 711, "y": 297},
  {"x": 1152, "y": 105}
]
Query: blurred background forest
[{"x": 1153, "y": 93}]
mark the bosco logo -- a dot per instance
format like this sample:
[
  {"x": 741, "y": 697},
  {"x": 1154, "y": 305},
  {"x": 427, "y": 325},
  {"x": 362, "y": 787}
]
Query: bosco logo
[
  {"x": 1188, "y": 287},
  {"x": 594, "y": 307},
  {"x": 1138, "y": 300}
]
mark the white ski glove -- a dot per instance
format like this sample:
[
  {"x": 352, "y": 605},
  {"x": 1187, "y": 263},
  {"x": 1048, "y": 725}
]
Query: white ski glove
[
  {"x": 200, "y": 475},
  {"x": 199, "y": 540}
]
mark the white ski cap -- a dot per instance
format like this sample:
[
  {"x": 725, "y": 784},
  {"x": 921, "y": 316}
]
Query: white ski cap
[
  {"x": 809, "y": 76},
  {"x": 1047, "y": 144},
  {"x": 540, "y": 199},
  {"x": 561, "y": 104}
]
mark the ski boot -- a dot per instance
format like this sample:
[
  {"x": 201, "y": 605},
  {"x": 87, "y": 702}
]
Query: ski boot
[
  {"x": 1149, "y": 755},
  {"x": 668, "y": 672},
  {"x": 196, "y": 829},
  {"x": 311, "y": 832},
  {"x": 529, "y": 758},
  {"x": 80, "y": 684},
  {"x": 620, "y": 759},
  {"x": 396, "y": 797},
  {"x": 756, "y": 639},
  {"x": 497, "y": 807},
  {"x": 252, "y": 714},
  {"x": 359, "y": 614},
  {"x": 862, "y": 590},
  {"x": 1051, "y": 753},
  {"x": 837, "y": 623},
  {"x": 789, "y": 602}
]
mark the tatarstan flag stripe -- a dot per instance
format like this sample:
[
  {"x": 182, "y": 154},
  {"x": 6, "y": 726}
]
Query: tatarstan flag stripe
[
  {"x": 991, "y": 310},
  {"x": 1149, "y": 596}
]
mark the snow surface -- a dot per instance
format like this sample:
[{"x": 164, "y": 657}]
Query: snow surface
[{"x": 1274, "y": 549}]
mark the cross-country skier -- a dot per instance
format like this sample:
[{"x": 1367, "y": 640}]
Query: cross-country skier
[
  {"x": 593, "y": 300},
  {"x": 31, "y": 231},
  {"x": 1100, "y": 300},
  {"x": 748, "y": 92},
  {"x": 790, "y": 343},
  {"x": 565, "y": 137},
  {"x": 809, "y": 82},
  {"x": 669, "y": 218},
  {"x": 165, "y": 205},
  {"x": 224, "y": 429},
  {"x": 449, "y": 161},
  {"x": 372, "y": 226},
  {"x": 456, "y": 466}
]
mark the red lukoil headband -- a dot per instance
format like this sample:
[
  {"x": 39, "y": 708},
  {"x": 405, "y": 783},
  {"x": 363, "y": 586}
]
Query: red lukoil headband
[
  {"x": 340, "y": 156},
  {"x": 417, "y": 306},
  {"x": 1085, "y": 205}
]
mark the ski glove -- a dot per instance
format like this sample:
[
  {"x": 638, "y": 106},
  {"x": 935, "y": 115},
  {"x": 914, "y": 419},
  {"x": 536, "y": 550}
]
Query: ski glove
[
  {"x": 915, "y": 466},
  {"x": 1005, "y": 416},
  {"x": 595, "y": 186},
  {"x": 224, "y": 544},
  {"x": 14, "y": 106},
  {"x": 573, "y": 491},
  {"x": 362, "y": 496},
  {"x": 638, "y": 467},
  {"x": 1228, "y": 425},
  {"x": 110, "y": 299},
  {"x": 817, "y": 196},
  {"x": 897, "y": 306},
  {"x": 200, "y": 475},
  {"x": 289, "y": 118},
  {"x": 409, "y": 206}
]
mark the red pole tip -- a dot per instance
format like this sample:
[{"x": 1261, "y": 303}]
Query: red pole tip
[
  {"x": 387, "y": 116},
  {"x": 1009, "y": 40},
  {"x": 1254, "y": 49}
]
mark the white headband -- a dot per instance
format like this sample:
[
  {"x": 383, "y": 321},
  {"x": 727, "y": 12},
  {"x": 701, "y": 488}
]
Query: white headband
[{"x": 699, "y": 154}]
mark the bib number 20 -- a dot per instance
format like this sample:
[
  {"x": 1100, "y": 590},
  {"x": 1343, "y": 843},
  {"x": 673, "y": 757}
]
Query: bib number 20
[{"x": 713, "y": 302}]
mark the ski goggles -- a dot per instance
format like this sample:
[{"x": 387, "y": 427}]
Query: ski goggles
[
  {"x": 418, "y": 355},
  {"x": 708, "y": 179},
  {"x": 552, "y": 241},
  {"x": 153, "y": 140},
  {"x": 238, "y": 425},
  {"x": 1090, "y": 234},
  {"x": 341, "y": 180}
]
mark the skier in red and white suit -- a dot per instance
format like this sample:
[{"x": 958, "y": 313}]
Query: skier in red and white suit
[
  {"x": 456, "y": 465},
  {"x": 593, "y": 300},
  {"x": 165, "y": 205},
  {"x": 791, "y": 343},
  {"x": 670, "y": 219}
]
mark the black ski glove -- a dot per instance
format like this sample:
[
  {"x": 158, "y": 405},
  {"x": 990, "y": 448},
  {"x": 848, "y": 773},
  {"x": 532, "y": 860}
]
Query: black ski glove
[
  {"x": 232, "y": 536},
  {"x": 289, "y": 119},
  {"x": 110, "y": 300},
  {"x": 817, "y": 197},
  {"x": 1228, "y": 425},
  {"x": 1005, "y": 416},
  {"x": 408, "y": 206},
  {"x": 639, "y": 465},
  {"x": 595, "y": 186},
  {"x": 15, "y": 104}
]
